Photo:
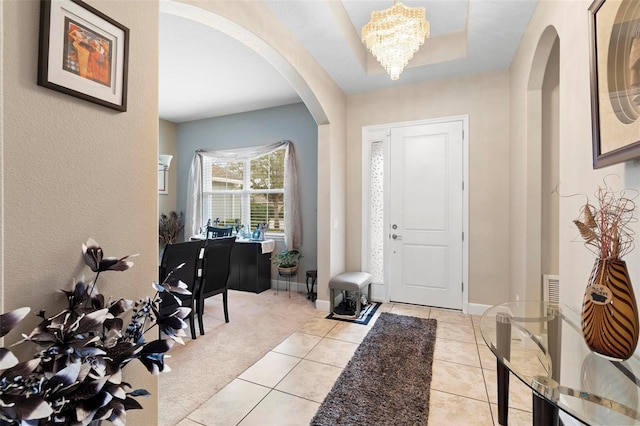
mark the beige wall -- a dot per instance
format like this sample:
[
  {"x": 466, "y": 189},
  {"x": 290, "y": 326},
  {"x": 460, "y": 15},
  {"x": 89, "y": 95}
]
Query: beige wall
[
  {"x": 550, "y": 257},
  {"x": 569, "y": 19},
  {"x": 485, "y": 98},
  {"x": 73, "y": 170},
  {"x": 167, "y": 141}
]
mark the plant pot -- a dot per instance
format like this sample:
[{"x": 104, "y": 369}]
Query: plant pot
[
  {"x": 609, "y": 311},
  {"x": 288, "y": 271}
]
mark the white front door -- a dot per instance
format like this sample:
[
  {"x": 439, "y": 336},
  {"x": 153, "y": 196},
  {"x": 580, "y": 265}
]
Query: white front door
[{"x": 425, "y": 262}]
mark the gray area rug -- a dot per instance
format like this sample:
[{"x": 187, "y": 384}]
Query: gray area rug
[{"x": 387, "y": 381}]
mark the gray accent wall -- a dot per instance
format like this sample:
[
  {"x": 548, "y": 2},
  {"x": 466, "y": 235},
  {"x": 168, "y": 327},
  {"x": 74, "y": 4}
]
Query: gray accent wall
[{"x": 262, "y": 127}]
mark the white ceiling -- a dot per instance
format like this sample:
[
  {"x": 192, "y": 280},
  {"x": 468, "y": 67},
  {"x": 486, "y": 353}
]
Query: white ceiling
[{"x": 205, "y": 73}]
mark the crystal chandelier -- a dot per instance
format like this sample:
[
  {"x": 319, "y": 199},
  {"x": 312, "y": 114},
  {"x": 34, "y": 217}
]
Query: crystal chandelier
[{"x": 394, "y": 35}]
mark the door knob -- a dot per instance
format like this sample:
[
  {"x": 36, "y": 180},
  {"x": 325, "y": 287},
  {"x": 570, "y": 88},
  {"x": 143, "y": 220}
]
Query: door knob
[{"x": 396, "y": 237}]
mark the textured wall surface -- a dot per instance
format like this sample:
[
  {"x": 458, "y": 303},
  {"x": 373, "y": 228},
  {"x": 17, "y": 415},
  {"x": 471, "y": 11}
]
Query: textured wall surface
[{"x": 73, "y": 170}]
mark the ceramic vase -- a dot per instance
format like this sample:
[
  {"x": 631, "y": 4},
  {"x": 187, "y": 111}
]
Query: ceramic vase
[{"x": 609, "y": 311}]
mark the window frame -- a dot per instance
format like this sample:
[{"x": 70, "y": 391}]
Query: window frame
[{"x": 245, "y": 194}]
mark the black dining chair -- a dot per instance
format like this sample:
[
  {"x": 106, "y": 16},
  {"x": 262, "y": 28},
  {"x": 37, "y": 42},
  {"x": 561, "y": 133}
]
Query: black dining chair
[
  {"x": 215, "y": 274},
  {"x": 217, "y": 232},
  {"x": 191, "y": 254}
]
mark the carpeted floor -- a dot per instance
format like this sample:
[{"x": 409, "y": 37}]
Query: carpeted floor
[
  {"x": 257, "y": 323},
  {"x": 388, "y": 379}
]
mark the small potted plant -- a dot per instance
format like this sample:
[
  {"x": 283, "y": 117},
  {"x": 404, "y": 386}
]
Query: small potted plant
[{"x": 287, "y": 262}]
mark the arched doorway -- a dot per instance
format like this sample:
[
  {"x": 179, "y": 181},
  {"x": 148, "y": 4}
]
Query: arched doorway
[
  {"x": 542, "y": 159},
  {"x": 331, "y": 136}
]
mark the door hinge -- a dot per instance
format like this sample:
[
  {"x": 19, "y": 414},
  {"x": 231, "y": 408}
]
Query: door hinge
[
  {"x": 463, "y": 185},
  {"x": 462, "y": 287},
  {"x": 463, "y": 236}
]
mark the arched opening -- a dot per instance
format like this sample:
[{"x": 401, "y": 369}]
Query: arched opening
[
  {"x": 550, "y": 164},
  {"x": 312, "y": 101},
  {"x": 253, "y": 41},
  {"x": 542, "y": 160}
]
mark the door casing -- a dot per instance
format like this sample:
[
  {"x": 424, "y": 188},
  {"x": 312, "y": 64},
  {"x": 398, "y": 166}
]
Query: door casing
[{"x": 370, "y": 134}]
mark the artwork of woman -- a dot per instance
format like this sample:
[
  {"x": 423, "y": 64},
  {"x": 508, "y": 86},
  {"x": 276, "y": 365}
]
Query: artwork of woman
[{"x": 88, "y": 55}]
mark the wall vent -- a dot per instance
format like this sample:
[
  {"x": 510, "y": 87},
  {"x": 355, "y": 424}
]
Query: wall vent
[{"x": 551, "y": 288}]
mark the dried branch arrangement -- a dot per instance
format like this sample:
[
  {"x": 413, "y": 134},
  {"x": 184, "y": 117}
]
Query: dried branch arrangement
[
  {"x": 605, "y": 227},
  {"x": 170, "y": 227}
]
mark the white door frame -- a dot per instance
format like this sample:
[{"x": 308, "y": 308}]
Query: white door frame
[{"x": 381, "y": 132}]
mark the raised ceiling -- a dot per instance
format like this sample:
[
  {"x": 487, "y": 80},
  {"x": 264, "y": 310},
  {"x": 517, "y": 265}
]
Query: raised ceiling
[{"x": 205, "y": 73}]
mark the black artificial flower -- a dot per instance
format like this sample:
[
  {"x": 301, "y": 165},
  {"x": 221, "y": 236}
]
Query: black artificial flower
[{"x": 93, "y": 257}]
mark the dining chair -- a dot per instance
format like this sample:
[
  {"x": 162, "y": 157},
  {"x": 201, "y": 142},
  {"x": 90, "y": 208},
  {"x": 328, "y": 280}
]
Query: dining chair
[
  {"x": 217, "y": 231},
  {"x": 215, "y": 274},
  {"x": 190, "y": 253}
]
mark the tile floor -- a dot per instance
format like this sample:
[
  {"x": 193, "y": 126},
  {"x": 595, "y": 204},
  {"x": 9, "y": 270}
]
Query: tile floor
[{"x": 288, "y": 384}]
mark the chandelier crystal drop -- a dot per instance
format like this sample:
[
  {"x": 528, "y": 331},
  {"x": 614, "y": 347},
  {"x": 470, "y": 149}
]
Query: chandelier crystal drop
[{"x": 394, "y": 35}]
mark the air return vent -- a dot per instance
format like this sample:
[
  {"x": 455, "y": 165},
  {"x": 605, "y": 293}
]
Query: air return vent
[{"x": 551, "y": 288}]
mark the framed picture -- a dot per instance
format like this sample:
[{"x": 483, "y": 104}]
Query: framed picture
[
  {"x": 615, "y": 80},
  {"x": 83, "y": 53}
]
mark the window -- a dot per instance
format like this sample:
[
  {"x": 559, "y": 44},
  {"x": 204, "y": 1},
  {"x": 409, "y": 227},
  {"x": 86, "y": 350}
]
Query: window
[
  {"x": 254, "y": 184},
  {"x": 251, "y": 191}
]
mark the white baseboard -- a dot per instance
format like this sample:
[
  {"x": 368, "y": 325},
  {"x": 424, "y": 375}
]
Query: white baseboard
[
  {"x": 477, "y": 308},
  {"x": 322, "y": 305}
]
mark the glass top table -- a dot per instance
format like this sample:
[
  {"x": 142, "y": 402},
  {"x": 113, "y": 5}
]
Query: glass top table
[{"x": 542, "y": 345}]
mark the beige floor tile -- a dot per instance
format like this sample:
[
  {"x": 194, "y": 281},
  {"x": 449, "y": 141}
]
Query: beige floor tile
[
  {"x": 322, "y": 314},
  {"x": 458, "y": 352},
  {"x": 519, "y": 393},
  {"x": 270, "y": 369},
  {"x": 489, "y": 324},
  {"x": 298, "y": 344},
  {"x": 281, "y": 409},
  {"x": 187, "y": 422},
  {"x": 514, "y": 417},
  {"x": 487, "y": 358},
  {"x": 462, "y": 333},
  {"x": 458, "y": 379},
  {"x": 479, "y": 338},
  {"x": 310, "y": 380},
  {"x": 385, "y": 307},
  {"x": 231, "y": 404},
  {"x": 447, "y": 409},
  {"x": 349, "y": 332},
  {"x": 454, "y": 317},
  {"x": 528, "y": 362},
  {"x": 411, "y": 310},
  {"x": 332, "y": 352},
  {"x": 318, "y": 326},
  {"x": 475, "y": 319}
]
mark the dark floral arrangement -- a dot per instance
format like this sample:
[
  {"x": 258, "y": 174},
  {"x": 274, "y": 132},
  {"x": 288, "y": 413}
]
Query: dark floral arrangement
[
  {"x": 75, "y": 377},
  {"x": 169, "y": 227}
]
